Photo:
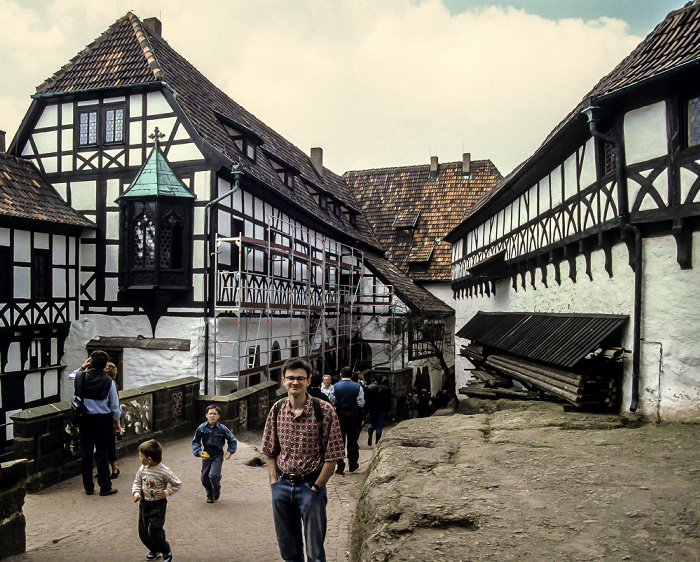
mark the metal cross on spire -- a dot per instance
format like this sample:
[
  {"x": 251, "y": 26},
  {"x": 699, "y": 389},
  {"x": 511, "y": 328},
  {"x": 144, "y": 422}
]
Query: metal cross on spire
[{"x": 156, "y": 135}]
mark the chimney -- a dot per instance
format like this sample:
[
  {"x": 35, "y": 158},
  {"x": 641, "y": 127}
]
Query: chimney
[
  {"x": 434, "y": 168},
  {"x": 2, "y": 141},
  {"x": 317, "y": 160},
  {"x": 466, "y": 165},
  {"x": 154, "y": 26}
]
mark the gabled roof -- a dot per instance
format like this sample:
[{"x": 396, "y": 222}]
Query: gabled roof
[
  {"x": 129, "y": 53},
  {"x": 405, "y": 197},
  {"x": 414, "y": 296},
  {"x": 25, "y": 194},
  {"x": 672, "y": 46},
  {"x": 156, "y": 179}
]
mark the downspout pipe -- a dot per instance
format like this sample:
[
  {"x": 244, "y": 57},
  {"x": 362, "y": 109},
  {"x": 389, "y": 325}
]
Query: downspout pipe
[
  {"x": 625, "y": 227},
  {"x": 237, "y": 173}
]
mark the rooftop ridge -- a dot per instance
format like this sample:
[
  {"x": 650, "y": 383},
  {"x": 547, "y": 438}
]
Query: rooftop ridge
[
  {"x": 72, "y": 62},
  {"x": 145, "y": 44},
  {"x": 485, "y": 161}
]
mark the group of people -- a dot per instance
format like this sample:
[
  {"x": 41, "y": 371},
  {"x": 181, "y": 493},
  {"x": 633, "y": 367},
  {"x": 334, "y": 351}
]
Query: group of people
[
  {"x": 421, "y": 404},
  {"x": 305, "y": 440}
]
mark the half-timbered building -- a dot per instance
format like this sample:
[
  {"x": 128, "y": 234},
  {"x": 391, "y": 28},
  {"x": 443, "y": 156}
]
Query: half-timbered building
[
  {"x": 411, "y": 209},
  {"x": 220, "y": 248},
  {"x": 588, "y": 245},
  {"x": 39, "y": 285}
]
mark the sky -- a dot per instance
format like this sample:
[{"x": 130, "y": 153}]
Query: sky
[{"x": 374, "y": 83}]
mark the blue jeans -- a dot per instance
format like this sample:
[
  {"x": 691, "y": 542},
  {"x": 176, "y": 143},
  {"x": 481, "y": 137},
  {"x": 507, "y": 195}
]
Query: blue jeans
[
  {"x": 211, "y": 474},
  {"x": 293, "y": 504},
  {"x": 376, "y": 422}
]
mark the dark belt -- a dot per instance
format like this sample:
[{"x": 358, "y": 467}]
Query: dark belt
[{"x": 296, "y": 478}]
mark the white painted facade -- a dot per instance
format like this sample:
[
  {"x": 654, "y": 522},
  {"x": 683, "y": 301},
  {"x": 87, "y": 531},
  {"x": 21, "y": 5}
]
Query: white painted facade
[{"x": 569, "y": 203}]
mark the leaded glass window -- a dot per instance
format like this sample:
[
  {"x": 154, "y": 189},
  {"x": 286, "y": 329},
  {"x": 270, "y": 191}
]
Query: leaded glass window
[
  {"x": 41, "y": 274},
  {"x": 88, "y": 128},
  {"x": 144, "y": 249},
  {"x": 171, "y": 242},
  {"x": 609, "y": 153},
  {"x": 114, "y": 125},
  {"x": 694, "y": 121}
]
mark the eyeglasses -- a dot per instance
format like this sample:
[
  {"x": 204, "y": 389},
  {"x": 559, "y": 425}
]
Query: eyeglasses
[{"x": 296, "y": 379}]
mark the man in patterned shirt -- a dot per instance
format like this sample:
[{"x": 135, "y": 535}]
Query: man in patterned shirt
[{"x": 302, "y": 442}]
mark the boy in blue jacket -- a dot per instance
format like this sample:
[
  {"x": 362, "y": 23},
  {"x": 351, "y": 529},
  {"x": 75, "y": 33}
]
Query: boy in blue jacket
[{"x": 208, "y": 443}]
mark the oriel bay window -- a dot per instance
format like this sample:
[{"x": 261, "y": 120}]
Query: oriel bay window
[{"x": 156, "y": 229}]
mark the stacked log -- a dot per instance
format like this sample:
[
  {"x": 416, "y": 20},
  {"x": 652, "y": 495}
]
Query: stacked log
[{"x": 575, "y": 388}]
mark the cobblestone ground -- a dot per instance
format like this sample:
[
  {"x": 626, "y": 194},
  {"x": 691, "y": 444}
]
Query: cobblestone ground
[{"x": 65, "y": 524}]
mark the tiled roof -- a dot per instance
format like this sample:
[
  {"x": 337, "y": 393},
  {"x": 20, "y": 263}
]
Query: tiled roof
[
  {"x": 674, "y": 43},
  {"x": 413, "y": 295},
  {"x": 392, "y": 198},
  {"x": 26, "y": 194},
  {"x": 130, "y": 53}
]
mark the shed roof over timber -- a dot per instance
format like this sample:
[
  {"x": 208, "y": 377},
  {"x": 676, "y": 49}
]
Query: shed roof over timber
[{"x": 559, "y": 339}]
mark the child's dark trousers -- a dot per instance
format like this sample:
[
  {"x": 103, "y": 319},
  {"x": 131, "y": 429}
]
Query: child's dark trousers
[{"x": 151, "y": 521}]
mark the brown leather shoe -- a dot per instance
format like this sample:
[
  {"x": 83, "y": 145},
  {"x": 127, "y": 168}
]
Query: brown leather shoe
[{"x": 108, "y": 492}]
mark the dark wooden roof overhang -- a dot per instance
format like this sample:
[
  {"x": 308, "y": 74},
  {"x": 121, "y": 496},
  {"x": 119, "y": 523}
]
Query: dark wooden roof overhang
[
  {"x": 110, "y": 342},
  {"x": 558, "y": 339}
]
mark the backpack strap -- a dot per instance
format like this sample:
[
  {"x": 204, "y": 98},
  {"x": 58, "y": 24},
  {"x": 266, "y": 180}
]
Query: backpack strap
[{"x": 318, "y": 414}]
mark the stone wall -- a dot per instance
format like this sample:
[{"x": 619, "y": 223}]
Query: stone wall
[
  {"x": 244, "y": 409},
  {"x": 163, "y": 411},
  {"x": 12, "y": 524},
  {"x": 45, "y": 436}
]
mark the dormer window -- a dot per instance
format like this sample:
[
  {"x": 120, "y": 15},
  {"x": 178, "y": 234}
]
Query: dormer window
[
  {"x": 289, "y": 180},
  {"x": 250, "y": 150},
  {"x": 404, "y": 224},
  {"x": 352, "y": 217},
  {"x": 245, "y": 139},
  {"x": 336, "y": 209},
  {"x": 323, "y": 201}
]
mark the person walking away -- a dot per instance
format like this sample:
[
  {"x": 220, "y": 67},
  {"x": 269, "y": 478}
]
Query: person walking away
[
  {"x": 379, "y": 407},
  {"x": 347, "y": 396},
  {"x": 208, "y": 443},
  {"x": 302, "y": 442},
  {"x": 153, "y": 484},
  {"x": 99, "y": 423}
]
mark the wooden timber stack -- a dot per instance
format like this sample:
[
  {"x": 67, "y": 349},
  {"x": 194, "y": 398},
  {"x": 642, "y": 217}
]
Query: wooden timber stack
[
  {"x": 580, "y": 390},
  {"x": 495, "y": 375}
]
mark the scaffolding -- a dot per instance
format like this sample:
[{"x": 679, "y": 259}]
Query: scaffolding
[{"x": 319, "y": 287}]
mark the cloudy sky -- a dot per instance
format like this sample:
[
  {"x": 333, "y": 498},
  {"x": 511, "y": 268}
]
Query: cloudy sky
[{"x": 375, "y": 83}]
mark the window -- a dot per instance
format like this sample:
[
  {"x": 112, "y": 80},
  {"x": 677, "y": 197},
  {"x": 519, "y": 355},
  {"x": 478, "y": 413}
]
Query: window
[
  {"x": 250, "y": 150},
  {"x": 607, "y": 154},
  {"x": 171, "y": 233},
  {"x": 88, "y": 128},
  {"x": 693, "y": 121},
  {"x": 5, "y": 274},
  {"x": 289, "y": 180},
  {"x": 41, "y": 274},
  {"x": 101, "y": 125},
  {"x": 114, "y": 125}
]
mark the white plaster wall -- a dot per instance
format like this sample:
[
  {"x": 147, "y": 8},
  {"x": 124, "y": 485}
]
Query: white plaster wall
[
  {"x": 645, "y": 133},
  {"x": 670, "y": 316}
]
